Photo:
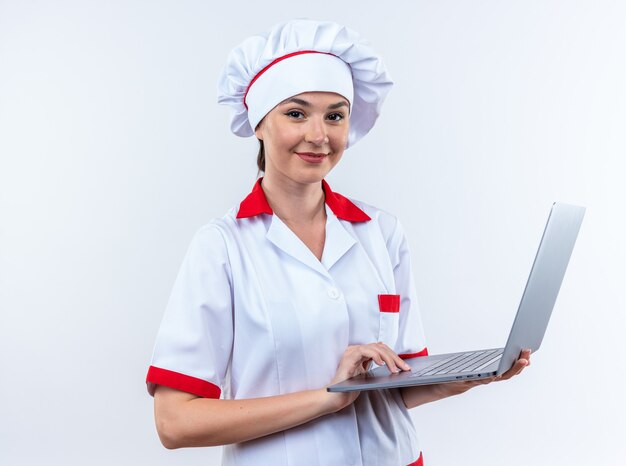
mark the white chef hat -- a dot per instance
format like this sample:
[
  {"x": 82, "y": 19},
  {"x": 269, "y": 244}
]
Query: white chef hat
[{"x": 303, "y": 56}]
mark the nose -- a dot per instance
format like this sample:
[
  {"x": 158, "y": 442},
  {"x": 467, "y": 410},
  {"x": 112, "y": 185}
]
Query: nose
[{"x": 316, "y": 132}]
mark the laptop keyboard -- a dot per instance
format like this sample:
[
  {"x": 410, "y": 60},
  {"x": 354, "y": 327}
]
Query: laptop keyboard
[{"x": 460, "y": 363}]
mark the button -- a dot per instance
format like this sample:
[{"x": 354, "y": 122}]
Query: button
[{"x": 333, "y": 293}]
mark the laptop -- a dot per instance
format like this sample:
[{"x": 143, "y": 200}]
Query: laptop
[{"x": 529, "y": 327}]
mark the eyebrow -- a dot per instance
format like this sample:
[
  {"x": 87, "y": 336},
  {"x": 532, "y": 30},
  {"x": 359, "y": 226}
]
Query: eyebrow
[{"x": 304, "y": 103}]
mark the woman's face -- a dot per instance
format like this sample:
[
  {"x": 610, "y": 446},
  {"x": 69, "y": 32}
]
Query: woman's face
[{"x": 305, "y": 136}]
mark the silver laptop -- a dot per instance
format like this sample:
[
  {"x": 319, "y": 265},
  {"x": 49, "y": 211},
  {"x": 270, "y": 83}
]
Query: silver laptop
[{"x": 531, "y": 321}]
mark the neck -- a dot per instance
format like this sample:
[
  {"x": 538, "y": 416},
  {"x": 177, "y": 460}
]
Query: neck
[{"x": 293, "y": 202}]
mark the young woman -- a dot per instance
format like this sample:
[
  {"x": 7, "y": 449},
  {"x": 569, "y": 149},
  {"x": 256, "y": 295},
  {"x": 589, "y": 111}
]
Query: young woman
[{"x": 297, "y": 287}]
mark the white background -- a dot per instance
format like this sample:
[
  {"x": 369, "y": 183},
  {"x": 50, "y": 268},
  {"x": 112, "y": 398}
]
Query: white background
[{"x": 114, "y": 152}]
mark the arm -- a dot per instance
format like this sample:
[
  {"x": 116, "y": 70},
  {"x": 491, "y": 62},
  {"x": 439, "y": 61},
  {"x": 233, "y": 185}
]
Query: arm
[
  {"x": 422, "y": 394},
  {"x": 186, "y": 420}
]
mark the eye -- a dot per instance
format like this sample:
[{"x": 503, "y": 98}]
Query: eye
[
  {"x": 337, "y": 116},
  {"x": 295, "y": 114}
]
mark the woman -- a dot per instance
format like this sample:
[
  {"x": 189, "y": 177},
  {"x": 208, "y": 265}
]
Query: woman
[{"x": 298, "y": 287}]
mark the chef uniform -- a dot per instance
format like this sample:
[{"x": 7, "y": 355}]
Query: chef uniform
[{"x": 253, "y": 313}]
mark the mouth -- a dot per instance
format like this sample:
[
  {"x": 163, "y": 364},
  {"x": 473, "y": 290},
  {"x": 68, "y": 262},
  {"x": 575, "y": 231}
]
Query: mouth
[{"x": 312, "y": 157}]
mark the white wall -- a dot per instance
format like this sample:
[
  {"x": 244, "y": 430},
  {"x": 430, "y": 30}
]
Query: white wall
[{"x": 113, "y": 152}]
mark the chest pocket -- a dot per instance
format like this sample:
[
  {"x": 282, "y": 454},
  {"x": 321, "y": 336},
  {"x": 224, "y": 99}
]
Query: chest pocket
[{"x": 389, "y": 307}]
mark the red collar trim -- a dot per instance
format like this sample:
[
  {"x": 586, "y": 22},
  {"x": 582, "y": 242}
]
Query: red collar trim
[
  {"x": 256, "y": 203},
  {"x": 343, "y": 207}
]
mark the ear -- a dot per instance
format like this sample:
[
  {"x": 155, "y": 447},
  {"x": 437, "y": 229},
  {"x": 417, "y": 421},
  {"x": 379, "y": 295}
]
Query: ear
[{"x": 258, "y": 131}]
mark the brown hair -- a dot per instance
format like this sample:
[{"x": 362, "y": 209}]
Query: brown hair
[{"x": 260, "y": 158}]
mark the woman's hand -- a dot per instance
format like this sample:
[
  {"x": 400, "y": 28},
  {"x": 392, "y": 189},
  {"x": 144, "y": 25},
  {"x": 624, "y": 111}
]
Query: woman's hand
[
  {"x": 419, "y": 395},
  {"x": 456, "y": 388},
  {"x": 356, "y": 360}
]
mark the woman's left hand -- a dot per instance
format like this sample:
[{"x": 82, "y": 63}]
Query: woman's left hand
[
  {"x": 456, "y": 388},
  {"x": 421, "y": 394}
]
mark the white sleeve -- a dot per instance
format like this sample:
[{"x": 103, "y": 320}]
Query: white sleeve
[
  {"x": 411, "y": 341},
  {"x": 194, "y": 342}
]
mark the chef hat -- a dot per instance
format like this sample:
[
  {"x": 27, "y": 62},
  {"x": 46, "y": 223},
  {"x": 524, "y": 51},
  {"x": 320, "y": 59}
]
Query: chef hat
[{"x": 303, "y": 56}]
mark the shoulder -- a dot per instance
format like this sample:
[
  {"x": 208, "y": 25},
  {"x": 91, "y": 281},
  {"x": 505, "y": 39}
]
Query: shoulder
[
  {"x": 212, "y": 238},
  {"x": 385, "y": 226},
  {"x": 231, "y": 234},
  {"x": 381, "y": 219},
  {"x": 219, "y": 226}
]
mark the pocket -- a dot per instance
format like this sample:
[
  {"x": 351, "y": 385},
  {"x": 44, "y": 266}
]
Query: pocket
[{"x": 389, "y": 315}]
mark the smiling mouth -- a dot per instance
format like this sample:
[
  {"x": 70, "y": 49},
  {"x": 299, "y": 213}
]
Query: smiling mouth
[
  {"x": 311, "y": 154},
  {"x": 312, "y": 157}
]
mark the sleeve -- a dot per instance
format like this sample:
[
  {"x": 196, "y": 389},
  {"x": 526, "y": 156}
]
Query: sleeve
[
  {"x": 194, "y": 342},
  {"x": 411, "y": 341}
]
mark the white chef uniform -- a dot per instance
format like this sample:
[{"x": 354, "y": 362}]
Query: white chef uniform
[{"x": 254, "y": 313}]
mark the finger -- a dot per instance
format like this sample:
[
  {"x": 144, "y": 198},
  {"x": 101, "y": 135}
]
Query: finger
[
  {"x": 380, "y": 354},
  {"x": 354, "y": 362},
  {"x": 400, "y": 363},
  {"x": 390, "y": 362},
  {"x": 468, "y": 384},
  {"x": 394, "y": 362},
  {"x": 516, "y": 369},
  {"x": 461, "y": 387},
  {"x": 477, "y": 383},
  {"x": 365, "y": 352}
]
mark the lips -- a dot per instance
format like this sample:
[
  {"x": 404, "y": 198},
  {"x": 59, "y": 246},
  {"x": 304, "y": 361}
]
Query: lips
[{"x": 311, "y": 157}]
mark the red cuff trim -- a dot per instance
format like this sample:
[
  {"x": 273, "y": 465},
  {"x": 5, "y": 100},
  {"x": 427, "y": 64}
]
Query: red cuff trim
[
  {"x": 424, "y": 352},
  {"x": 389, "y": 302},
  {"x": 419, "y": 462},
  {"x": 182, "y": 382}
]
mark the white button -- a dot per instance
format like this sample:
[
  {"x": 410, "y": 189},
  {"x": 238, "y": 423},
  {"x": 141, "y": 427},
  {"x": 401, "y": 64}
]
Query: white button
[{"x": 333, "y": 293}]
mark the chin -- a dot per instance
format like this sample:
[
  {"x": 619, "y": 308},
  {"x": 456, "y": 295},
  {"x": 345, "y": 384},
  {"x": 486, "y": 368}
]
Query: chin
[{"x": 310, "y": 176}]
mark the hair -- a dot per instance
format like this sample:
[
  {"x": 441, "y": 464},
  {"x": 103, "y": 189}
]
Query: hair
[{"x": 260, "y": 158}]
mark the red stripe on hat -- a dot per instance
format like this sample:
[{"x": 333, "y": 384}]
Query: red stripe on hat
[
  {"x": 182, "y": 382},
  {"x": 424, "y": 352},
  {"x": 389, "y": 302},
  {"x": 278, "y": 60}
]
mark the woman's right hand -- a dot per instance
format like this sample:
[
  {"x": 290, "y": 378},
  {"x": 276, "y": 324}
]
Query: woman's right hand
[{"x": 357, "y": 360}]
